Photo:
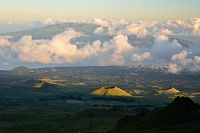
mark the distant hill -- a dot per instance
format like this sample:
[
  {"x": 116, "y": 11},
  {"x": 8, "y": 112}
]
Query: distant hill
[
  {"x": 113, "y": 91},
  {"x": 48, "y": 32},
  {"x": 89, "y": 36},
  {"x": 21, "y": 70},
  {"x": 182, "y": 115},
  {"x": 169, "y": 91}
]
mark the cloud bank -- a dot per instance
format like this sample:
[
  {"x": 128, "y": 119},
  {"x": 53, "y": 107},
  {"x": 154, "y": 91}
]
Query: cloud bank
[{"x": 173, "y": 43}]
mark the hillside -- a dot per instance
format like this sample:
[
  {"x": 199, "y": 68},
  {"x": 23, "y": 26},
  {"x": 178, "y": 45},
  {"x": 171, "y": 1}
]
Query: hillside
[
  {"x": 21, "y": 70},
  {"x": 182, "y": 115},
  {"x": 169, "y": 91},
  {"x": 137, "y": 91},
  {"x": 42, "y": 82},
  {"x": 113, "y": 91}
]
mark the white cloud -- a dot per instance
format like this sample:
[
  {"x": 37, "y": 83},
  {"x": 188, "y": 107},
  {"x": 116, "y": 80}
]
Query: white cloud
[
  {"x": 47, "y": 51},
  {"x": 4, "y": 40},
  {"x": 121, "y": 49},
  {"x": 162, "y": 35},
  {"x": 99, "y": 30},
  {"x": 57, "y": 50},
  {"x": 161, "y": 38},
  {"x": 51, "y": 21},
  {"x": 100, "y": 22},
  {"x": 137, "y": 29},
  {"x": 166, "y": 32},
  {"x": 60, "y": 50},
  {"x": 140, "y": 58},
  {"x": 164, "y": 49},
  {"x": 182, "y": 23},
  {"x": 121, "y": 44},
  {"x": 182, "y": 59},
  {"x": 173, "y": 68},
  {"x": 196, "y": 26},
  {"x": 48, "y": 21},
  {"x": 197, "y": 59}
]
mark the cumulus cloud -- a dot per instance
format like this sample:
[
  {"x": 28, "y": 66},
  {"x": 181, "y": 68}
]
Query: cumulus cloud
[
  {"x": 182, "y": 23},
  {"x": 142, "y": 29},
  {"x": 121, "y": 47},
  {"x": 161, "y": 38},
  {"x": 48, "y": 21},
  {"x": 138, "y": 30},
  {"x": 173, "y": 68},
  {"x": 4, "y": 40},
  {"x": 121, "y": 44},
  {"x": 114, "y": 42},
  {"x": 163, "y": 50},
  {"x": 51, "y": 21},
  {"x": 140, "y": 58},
  {"x": 196, "y": 26},
  {"x": 166, "y": 32},
  {"x": 162, "y": 35},
  {"x": 32, "y": 51},
  {"x": 197, "y": 59},
  {"x": 183, "y": 60},
  {"x": 99, "y": 30},
  {"x": 100, "y": 22},
  {"x": 57, "y": 50},
  {"x": 60, "y": 50}
]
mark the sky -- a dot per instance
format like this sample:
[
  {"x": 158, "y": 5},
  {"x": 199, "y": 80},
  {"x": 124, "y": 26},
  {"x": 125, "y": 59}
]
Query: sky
[{"x": 27, "y": 10}]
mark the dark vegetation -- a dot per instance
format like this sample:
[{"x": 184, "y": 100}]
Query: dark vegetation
[
  {"x": 182, "y": 115},
  {"x": 63, "y": 103}
]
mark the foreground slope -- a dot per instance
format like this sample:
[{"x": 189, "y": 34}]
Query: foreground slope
[{"x": 182, "y": 115}]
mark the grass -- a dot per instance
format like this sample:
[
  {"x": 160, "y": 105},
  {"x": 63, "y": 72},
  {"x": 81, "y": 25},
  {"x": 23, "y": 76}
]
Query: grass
[{"x": 60, "y": 121}]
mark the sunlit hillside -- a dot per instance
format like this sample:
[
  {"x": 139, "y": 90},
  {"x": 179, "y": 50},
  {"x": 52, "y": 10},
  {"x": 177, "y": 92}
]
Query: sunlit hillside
[
  {"x": 113, "y": 91},
  {"x": 169, "y": 91},
  {"x": 47, "y": 80}
]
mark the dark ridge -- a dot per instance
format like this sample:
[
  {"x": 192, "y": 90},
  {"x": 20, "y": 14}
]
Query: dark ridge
[{"x": 182, "y": 115}]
